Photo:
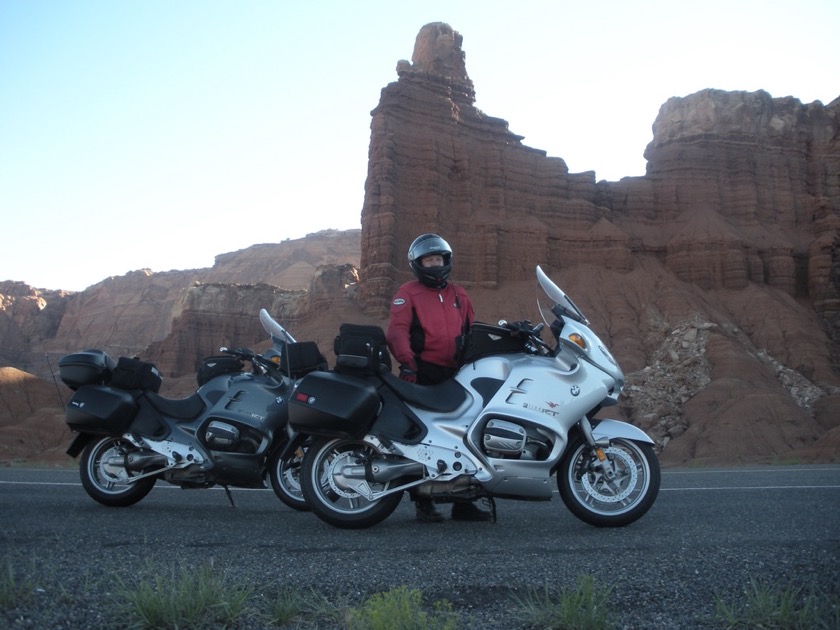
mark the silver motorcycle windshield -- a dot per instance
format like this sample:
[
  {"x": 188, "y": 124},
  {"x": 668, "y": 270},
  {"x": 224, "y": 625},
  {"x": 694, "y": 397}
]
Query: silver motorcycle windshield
[
  {"x": 556, "y": 298},
  {"x": 577, "y": 334},
  {"x": 274, "y": 329}
]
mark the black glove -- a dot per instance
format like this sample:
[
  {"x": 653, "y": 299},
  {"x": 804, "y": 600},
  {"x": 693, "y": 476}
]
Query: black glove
[{"x": 408, "y": 373}]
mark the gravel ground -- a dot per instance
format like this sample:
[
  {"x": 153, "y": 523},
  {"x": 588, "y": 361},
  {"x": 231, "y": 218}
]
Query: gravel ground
[
  {"x": 665, "y": 571},
  {"x": 650, "y": 589}
]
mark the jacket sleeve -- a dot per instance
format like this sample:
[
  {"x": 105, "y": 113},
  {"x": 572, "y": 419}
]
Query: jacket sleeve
[{"x": 399, "y": 325}]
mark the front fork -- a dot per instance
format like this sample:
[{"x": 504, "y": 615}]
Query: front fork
[{"x": 603, "y": 462}]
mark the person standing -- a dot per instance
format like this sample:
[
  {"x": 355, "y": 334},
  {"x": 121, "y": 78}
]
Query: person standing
[{"x": 427, "y": 316}]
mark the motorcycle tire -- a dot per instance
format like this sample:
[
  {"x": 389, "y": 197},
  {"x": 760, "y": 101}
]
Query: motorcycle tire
[
  {"x": 107, "y": 482},
  {"x": 601, "y": 502},
  {"x": 285, "y": 479},
  {"x": 331, "y": 496}
]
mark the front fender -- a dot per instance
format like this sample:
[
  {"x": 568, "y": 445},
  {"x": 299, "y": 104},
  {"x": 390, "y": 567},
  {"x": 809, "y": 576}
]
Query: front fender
[{"x": 612, "y": 429}]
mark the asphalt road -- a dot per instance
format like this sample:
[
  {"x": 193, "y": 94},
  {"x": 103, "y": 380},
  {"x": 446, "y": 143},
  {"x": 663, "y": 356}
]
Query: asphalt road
[{"x": 709, "y": 533}]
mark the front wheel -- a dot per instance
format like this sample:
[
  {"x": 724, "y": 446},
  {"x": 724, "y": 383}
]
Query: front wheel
[
  {"x": 334, "y": 486},
  {"x": 285, "y": 479},
  {"x": 610, "y": 493},
  {"x": 105, "y": 477}
]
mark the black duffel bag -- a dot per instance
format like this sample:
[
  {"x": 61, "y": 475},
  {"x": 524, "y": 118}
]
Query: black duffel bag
[{"x": 132, "y": 373}]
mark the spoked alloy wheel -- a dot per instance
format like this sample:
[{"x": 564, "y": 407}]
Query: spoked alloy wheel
[
  {"x": 104, "y": 476},
  {"x": 333, "y": 495},
  {"x": 616, "y": 494},
  {"x": 285, "y": 479}
]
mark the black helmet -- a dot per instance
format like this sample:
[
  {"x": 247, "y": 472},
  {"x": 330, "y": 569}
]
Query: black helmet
[{"x": 425, "y": 245}]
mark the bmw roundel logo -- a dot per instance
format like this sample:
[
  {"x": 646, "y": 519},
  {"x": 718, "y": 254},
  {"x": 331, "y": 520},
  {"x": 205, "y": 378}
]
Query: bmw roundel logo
[
  {"x": 575, "y": 390},
  {"x": 311, "y": 400}
]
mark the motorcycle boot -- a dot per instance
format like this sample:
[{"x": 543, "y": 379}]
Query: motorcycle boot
[
  {"x": 427, "y": 512},
  {"x": 468, "y": 511}
]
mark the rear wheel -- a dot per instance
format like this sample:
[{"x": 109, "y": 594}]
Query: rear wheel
[
  {"x": 611, "y": 493},
  {"x": 285, "y": 479},
  {"x": 334, "y": 489},
  {"x": 105, "y": 477}
]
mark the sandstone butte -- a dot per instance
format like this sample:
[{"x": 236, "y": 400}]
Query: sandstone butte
[{"x": 715, "y": 277}]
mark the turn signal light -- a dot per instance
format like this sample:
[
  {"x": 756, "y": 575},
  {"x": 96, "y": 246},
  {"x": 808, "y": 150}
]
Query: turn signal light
[{"x": 576, "y": 338}]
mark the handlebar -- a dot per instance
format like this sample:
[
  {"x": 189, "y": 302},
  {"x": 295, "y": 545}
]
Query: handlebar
[
  {"x": 525, "y": 329},
  {"x": 522, "y": 327},
  {"x": 256, "y": 360},
  {"x": 242, "y": 353},
  {"x": 259, "y": 363}
]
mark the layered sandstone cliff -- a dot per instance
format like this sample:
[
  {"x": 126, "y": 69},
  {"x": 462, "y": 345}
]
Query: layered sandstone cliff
[
  {"x": 734, "y": 227},
  {"x": 740, "y": 187},
  {"x": 127, "y": 314},
  {"x": 715, "y": 278}
]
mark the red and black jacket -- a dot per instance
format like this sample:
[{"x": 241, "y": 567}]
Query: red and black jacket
[{"x": 425, "y": 323}]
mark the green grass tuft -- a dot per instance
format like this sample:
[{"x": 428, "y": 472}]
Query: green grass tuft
[
  {"x": 582, "y": 608},
  {"x": 14, "y": 590},
  {"x": 790, "y": 607},
  {"x": 187, "y": 598},
  {"x": 401, "y": 609}
]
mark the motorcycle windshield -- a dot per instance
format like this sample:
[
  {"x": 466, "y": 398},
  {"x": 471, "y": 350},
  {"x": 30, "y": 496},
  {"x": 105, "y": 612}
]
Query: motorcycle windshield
[
  {"x": 579, "y": 337},
  {"x": 277, "y": 332},
  {"x": 555, "y": 299}
]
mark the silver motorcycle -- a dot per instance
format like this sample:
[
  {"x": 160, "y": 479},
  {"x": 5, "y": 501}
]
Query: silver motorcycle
[
  {"x": 518, "y": 412},
  {"x": 231, "y": 432}
]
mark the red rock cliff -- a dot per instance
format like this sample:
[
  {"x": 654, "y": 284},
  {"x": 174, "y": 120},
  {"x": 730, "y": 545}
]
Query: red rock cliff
[
  {"x": 714, "y": 278},
  {"x": 740, "y": 187}
]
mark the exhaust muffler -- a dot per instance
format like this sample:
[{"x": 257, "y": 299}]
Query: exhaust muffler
[{"x": 383, "y": 470}]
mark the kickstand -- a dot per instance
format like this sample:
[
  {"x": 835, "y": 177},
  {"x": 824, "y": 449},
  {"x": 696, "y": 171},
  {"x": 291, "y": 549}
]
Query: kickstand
[{"x": 229, "y": 496}]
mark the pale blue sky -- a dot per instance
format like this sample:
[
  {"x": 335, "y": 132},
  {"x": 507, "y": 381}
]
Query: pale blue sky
[{"x": 160, "y": 133}]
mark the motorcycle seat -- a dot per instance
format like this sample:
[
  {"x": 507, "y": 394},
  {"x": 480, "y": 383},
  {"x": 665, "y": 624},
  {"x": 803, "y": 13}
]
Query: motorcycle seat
[
  {"x": 180, "y": 408},
  {"x": 445, "y": 397}
]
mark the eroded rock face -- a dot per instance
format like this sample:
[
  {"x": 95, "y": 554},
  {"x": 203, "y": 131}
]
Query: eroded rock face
[
  {"x": 125, "y": 315},
  {"x": 734, "y": 227},
  {"x": 741, "y": 187},
  {"x": 31, "y": 417},
  {"x": 213, "y": 315},
  {"x": 122, "y": 313},
  {"x": 763, "y": 174},
  {"x": 28, "y": 316},
  {"x": 438, "y": 54},
  {"x": 290, "y": 264},
  {"x": 715, "y": 278}
]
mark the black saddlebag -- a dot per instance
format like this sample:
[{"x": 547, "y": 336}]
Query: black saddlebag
[
  {"x": 100, "y": 410},
  {"x": 89, "y": 367},
  {"x": 361, "y": 349},
  {"x": 484, "y": 340},
  {"x": 326, "y": 403},
  {"x": 136, "y": 374},
  {"x": 211, "y": 367}
]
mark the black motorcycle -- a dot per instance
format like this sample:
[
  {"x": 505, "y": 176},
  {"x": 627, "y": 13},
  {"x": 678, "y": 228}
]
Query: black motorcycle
[{"x": 233, "y": 431}]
